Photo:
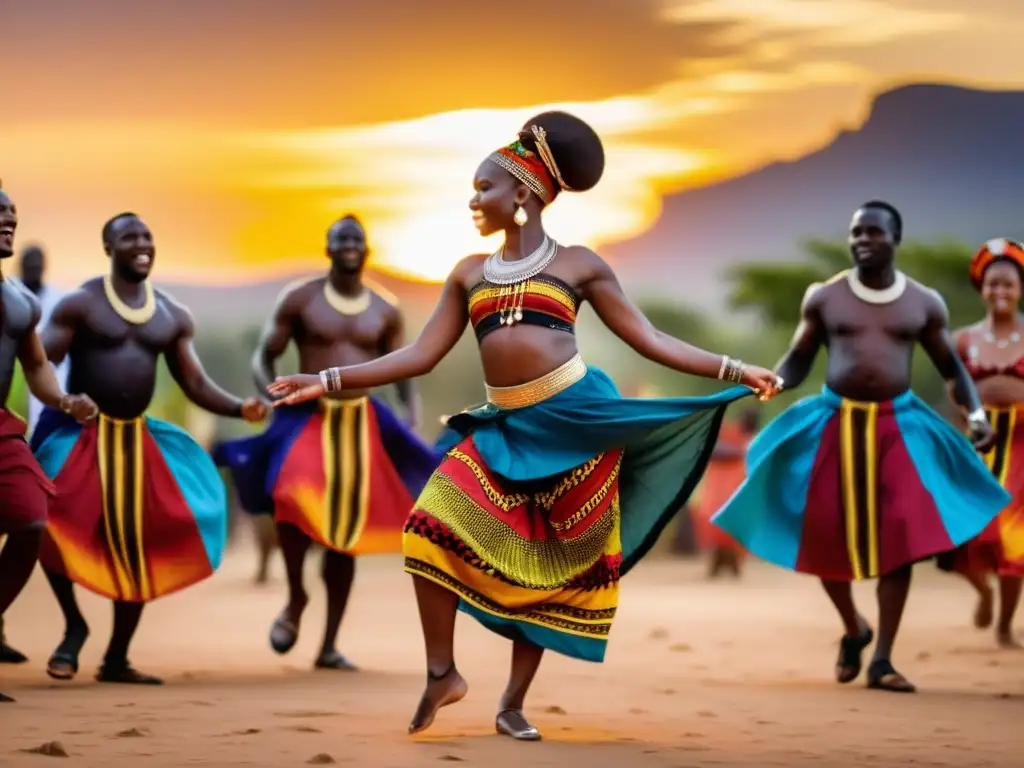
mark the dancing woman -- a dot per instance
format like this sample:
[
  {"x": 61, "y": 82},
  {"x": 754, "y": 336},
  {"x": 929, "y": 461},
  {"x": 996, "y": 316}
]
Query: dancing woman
[
  {"x": 993, "y": 352},
  {"x": 557, "y": 485}
]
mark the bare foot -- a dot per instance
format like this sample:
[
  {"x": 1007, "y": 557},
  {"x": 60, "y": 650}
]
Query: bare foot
[
  {"x": 440, "y": 692},
  {"x": 983, "y": 612}
]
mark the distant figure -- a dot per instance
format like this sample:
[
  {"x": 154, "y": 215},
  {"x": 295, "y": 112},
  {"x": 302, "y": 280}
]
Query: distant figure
[
  {"x": 725, "y": 474},
  {"x": 993, "y": 351},
  {"x": 341, "y": 473},
  {"x": 267, "y": 542},
  {"x": 33, "y": 271}
]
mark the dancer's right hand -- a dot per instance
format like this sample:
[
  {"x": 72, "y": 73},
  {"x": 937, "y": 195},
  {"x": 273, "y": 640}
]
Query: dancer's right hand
[
  {"x": 766, "y": 384},
  {"x": 297, "y": 388}
]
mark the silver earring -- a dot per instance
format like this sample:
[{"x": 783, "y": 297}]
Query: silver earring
[{"x": 520, "y": 217}]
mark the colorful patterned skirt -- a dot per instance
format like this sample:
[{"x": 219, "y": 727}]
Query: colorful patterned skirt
[
  {"x": 549, "y": 493},
  {"x": 25, "y": 491},
  {"x": 140, "y": 511},
  {"x": 1000, "y": 547},
  {"x": 345, "y": 472},
  {"x": 847, "y": 490}
]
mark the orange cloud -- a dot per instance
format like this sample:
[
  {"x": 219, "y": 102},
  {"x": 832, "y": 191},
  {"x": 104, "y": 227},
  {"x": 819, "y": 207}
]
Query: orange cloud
[{"x": 240, "y": 132}]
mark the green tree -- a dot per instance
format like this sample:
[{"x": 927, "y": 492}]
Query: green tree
[{"x": 773, "y": 292}]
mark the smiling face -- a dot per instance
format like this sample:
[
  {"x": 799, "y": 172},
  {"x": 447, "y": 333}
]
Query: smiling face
[
  {"x": 346, "y": 246},
  {"x": 497, "y": 195},
  {"x": 130, "y": 247},
  {"x": 8, "y": 224},
  {"x": 872, "y": 238},
  {"x": 1001, "y": 288}
]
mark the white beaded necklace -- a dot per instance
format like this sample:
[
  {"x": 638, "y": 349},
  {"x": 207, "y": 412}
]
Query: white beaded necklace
[{"x": 874, "y": 295}]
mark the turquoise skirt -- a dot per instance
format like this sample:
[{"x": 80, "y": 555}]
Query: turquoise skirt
[{"x": 848, "y": 490}]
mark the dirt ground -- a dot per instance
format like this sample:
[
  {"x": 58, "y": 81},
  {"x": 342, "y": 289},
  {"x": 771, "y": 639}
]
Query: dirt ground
[{"x": 698, "y": 674}]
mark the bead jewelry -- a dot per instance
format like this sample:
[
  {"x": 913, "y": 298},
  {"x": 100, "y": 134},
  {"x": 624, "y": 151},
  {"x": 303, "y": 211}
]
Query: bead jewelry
[{"x": 331, "y": 379}]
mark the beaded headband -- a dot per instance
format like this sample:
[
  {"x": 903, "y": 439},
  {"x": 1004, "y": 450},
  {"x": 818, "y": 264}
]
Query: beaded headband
[
  {"x": 539, "y": 173},
  {"x": 1000, "y": 248}
]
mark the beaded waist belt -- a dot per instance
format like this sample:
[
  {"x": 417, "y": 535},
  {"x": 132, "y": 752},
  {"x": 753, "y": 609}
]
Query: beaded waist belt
[{"x": 539, "y": 390}]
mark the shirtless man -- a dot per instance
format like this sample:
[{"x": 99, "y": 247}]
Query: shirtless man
[
  {"x": 342, "y": 473},
  {"x": 864, "y": 480},
  {"x": 25, "y": 491},
  {"x": 141, "y": 510},
  {"x": 32, "y": 266}
]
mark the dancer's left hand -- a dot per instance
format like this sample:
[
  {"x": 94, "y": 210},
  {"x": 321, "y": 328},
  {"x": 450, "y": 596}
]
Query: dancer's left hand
[
  {"x": 254, "y": 410},
  {"x": 297, "y": 388}
]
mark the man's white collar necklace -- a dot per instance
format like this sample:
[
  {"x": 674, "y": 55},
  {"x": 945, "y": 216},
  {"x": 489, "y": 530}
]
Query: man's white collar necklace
[{"x": 874, "y": 295}]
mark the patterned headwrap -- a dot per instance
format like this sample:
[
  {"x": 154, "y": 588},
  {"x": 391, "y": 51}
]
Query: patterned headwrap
[
  {"x": 992, "y": 251},
  {"x": 537, "y": 170}
]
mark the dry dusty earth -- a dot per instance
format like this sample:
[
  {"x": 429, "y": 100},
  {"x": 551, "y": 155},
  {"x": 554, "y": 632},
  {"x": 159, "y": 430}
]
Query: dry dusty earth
[{"x": 698, "y": 674}]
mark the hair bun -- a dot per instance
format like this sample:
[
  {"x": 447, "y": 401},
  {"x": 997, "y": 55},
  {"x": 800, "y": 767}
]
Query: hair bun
[{"x": 575, "y": 146}]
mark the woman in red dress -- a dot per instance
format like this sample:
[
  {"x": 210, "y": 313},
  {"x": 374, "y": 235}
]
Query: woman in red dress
[{"x": 993, "y": 351}]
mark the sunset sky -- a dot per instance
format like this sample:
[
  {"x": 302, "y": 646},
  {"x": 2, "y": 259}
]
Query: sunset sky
[{"x": 239, "y": 129}]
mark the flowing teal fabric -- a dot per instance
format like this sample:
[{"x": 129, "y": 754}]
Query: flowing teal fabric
[
  {"x": 667, "y": 444},
  {"x": 767, "y": 512}
]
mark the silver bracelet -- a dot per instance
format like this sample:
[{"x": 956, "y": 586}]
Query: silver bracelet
[
  {"x": 331, "y": 379},
  {"x": 725, "y": 364},
  {"x": 735, "y": 371},
  {"x": 977, "y": 416}
]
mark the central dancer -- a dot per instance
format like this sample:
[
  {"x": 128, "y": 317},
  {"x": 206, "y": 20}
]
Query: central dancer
[{"x": 557, "y": 485}]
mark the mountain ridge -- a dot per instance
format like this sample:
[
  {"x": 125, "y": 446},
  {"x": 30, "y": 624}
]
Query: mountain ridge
[{"x": 943, "y": 154}]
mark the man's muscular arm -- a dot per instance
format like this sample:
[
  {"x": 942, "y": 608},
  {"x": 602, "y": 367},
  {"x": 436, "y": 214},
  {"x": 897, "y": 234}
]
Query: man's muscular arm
[
  {"x": 59, "y": 331},
  {"x": 960, "y": 339},
  {"x": 187, "y": 370},
  {"x": 277, "y": 332},
  {"x": 408, "y": 392},
  {"x": 796, "y": 364},
  {"x": 41, "y": 379},
  {"x": 938, "y": 343}
]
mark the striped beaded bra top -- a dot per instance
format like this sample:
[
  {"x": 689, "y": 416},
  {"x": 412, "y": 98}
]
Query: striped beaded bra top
[{"x": 542, "y": 300}]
